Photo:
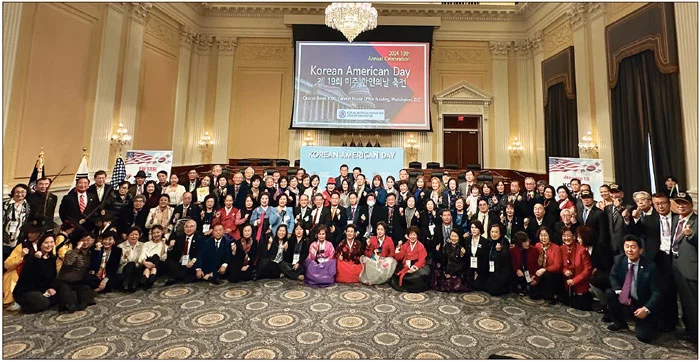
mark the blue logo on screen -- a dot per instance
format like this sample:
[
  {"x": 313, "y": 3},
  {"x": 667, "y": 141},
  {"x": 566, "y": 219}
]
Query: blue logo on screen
[{"x": 341, "y": 113}]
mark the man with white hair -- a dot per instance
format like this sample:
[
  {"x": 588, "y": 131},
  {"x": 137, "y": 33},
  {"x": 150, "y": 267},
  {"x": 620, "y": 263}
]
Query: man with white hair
[{"x": 182, "y": 255}]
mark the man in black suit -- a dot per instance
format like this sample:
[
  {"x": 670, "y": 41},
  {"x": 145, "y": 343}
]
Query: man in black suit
[
  {"x": 518, "y": 200},
  {"x": 335, "y": 219},
  {"x": 591, "y": 215},
  {"x": 302, "y": 213},
  {"x": 396, "y": 222},
  {"x": 162, "y": 180},
  {"x": 442, "y": 234},
  {"x": 214, "y": 256},
  {"x": 635, "y": 290},
  {"x": 344, "y": 175},
  {"x": 656, "y": 231},
  {"x": 140, "y": 186},
  {"x": 486, "y": 217},
  {"x": 538, "y": 220},
  {"x": 101, "y": 189},
  {"x": 319, "y": 215},
  {"x": 685, "y": 264},
  {"x": 531, "y": 196},
  {"x": 239, "y": 190},
  {"x": 77, "y": 204},
  {"x": 616, "y": 222},
  {"x": 375, "y": 213},
  {"x": 355, "y": 213},
  {"x": 565, "y": 220},
  {"x": 182, "y": 255},
  {"x": 135, "y": 215},
  {"x": 42, "y": 202},
  {"x": 186, "y": 210}
]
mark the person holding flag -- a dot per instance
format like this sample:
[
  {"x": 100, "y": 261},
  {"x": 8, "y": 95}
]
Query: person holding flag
[{"x": 42, "y": 203}]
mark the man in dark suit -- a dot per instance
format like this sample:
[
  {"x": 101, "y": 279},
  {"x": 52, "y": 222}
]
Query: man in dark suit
[
  {"x": 335, "y": 219},
  {"x": 470, "y": 180},
  {"x": 162, "y": 180},
  {"x": 531, "y": 197},
  {"x": 186, "y": 210},
  {"x": 396, "y": 222},
  {"x": 635, "y": 290},
  {"x": 192, "y": 182},
  {"x": 594, "y": 217},
  {"x": 374, "y": 214},
  {"x": 41, "y": 201},
  {"x": 538, "y": 220},
  {"x": 616, "y": 222},
  {"x": 302, "y": 213},
  {"x": 518, "y": 200},
  {"x": 140, "y": 186},
  {"x": 239, "y": 190},
  {"x": 486, "y": 217},
  {"x": 182, "y": 255},
  {"x": 344, "y": 175},
  {"x": 656, "y": 232},
  {"x": 135, "y": 215},
  {"x": 685, "y": 264},
  {"x": 319, "y": 215},
  {"x": 101, "y": 190},
  {"x": 442, "y": 234},
  {"x": 77, "y": 204},
  {"x": 354, "y": 214},
  {"x": 214, "y": 256}
]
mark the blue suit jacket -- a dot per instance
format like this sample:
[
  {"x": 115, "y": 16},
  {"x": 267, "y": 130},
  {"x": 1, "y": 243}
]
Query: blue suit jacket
[
  {"x": 648, "y": 290},
  {"x": 210, "y": 259}
]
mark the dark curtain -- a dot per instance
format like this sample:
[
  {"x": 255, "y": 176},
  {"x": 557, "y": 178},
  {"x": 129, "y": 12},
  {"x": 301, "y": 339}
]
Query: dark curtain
[
  {"x": 645, "y": 103},
  {"x": 560, "y": 123}
]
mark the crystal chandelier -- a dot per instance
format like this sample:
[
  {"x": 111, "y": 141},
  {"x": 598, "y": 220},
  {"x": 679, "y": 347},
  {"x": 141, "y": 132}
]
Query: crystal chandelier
[{"x": 351, "y": 18}]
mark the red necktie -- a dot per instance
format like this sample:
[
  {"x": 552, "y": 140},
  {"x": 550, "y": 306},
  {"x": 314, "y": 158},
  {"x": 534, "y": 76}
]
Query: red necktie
[
  {"x": 262, "y": 222},
  {"x": 187, "y": 243},
  {"x": 82, "y": 203}
]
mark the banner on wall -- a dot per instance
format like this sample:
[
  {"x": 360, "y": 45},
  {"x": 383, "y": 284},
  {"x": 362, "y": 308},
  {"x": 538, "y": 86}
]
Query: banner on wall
[
  {"x": 588, "y": 170},
  {"x": 325, "y": 161},
  {"x": 149, "y": 162}
]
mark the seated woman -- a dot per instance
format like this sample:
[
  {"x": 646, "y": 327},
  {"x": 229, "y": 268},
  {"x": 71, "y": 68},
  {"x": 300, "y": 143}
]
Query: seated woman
[
  {"x": 577, "y": 270},
  {"x": 477, "y": 246},
  {"x": 460, "y": 217},
  {"x": 414, "y": 275},
  {"x": 449, "y": 266},
  {"x": 565, "y": 199},
  {"x": 523, "y": 258},
  {"x": 271, "y": 253},
  {"x": 207, "y": 216},
  {"x": 152, "y": 259},
  {"x": 292, "y": 266},
  {"x": 14, "y": 263},
  {"x": 104, "y": 262},
  {"x": 73, "y": 292},
  {"x": 36, "y": 287},
  {"x": 320, "y": 264},
  {"x": 378, "y": 263},
  {"x": 129, "y": 267},
  {"x": 348, "y": 255},
  {"x": 500, "y": 271},
  {"x": 15, "y": 215},
  {"x": 547, "y": 281},
  {"x": 226, "y": 216},
  {"x": 161, "y": 214},
  {"x": 243, "y": 256},
  {"x": 152, "y": 195}
]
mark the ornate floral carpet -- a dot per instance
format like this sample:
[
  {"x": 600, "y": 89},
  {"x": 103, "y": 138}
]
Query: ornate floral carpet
[{"x": 284, "y": 319}]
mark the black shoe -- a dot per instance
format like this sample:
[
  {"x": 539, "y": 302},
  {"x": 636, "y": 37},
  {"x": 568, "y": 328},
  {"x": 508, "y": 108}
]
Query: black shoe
[
  {"x": 602, "y": 310},
  {"x": 170, "y": 282},
  {"x": 552, "y": 302},
  {"x": 687, "y": 337},
  {"x": 617, "y": 326},
  {"x": 606, "y": 318},
  {"x": 81, "y": 306},
  {"x": 70, "y": 308},
  {"x": 216, "y": 282}
]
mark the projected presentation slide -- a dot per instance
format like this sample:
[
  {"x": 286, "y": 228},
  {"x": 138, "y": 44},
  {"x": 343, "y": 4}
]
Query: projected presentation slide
[{"x": 361, "y": 86}]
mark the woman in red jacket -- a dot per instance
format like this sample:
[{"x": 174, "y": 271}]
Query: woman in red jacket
[
  {"x": 414, "y": 275},
  {"x": 523, "y": 257},
  {"x": 348, "y": 255},
  {"x": 378, "y": 263},
  {"x": 227, "y": 216},
  {"x": 577, "y": 270},
  {"x": 547, "y": 282}
]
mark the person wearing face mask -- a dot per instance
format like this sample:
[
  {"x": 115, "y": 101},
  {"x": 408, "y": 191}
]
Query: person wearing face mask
[
  {"x": 375, "y": 214},
  {"x": 577, "y": 271},
  {"x": 73, "y": 292},
  {"x": 414, "y": 273},
  {"x": 449, "y": 266},
  {"x": 104, "y": 263},
  {"x": 348, "y": 255},
  {"x": 378, "y": 260}
]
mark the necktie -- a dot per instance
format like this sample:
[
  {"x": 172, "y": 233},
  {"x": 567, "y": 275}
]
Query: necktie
[
  {"x": 184, "y": 211},
  {"x": 585, "y": 215},
  {"x": 614, "y": 215},
  {"x": 666, "y": 229},
  {"x": 187, "y": 244},
  {"x": 260, "y": 228},
  {"x": 624, "y": 297},
  {"x": 82, "y": 203},
  {"x": 353, "y": 213},
  {"x": 235, "y": 192},
  {"x": 678, "y": 236},
  {"x": 140, "y": 191},
  {"x": 369, "y": 220},
  {"x": 391, "y": 214},
  {"x": 217, "y": 244},
  {"x": 483, "y": 217}
]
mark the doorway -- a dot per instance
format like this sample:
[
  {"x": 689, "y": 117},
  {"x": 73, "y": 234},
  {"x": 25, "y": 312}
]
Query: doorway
[{"x": 462, "y": 144}]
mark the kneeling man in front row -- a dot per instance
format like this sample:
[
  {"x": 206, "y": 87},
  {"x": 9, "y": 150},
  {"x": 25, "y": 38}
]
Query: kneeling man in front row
[{"x": 635, "y": 290}]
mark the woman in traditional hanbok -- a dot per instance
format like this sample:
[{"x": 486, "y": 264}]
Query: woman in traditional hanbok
[
  {"x": 348, "y": 255},
  {"x": 449, "y": 267},
  {"x": 321, "y": 263},
  {"x": 414, "y": 275},
  {"x": 378, "y": 263}
]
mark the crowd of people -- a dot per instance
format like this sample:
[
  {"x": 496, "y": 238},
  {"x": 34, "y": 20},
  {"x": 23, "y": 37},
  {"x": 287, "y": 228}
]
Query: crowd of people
[{"x": 553, "y": 243}]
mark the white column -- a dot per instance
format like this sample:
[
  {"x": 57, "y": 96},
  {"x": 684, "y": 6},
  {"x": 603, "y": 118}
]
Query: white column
[
  {"x": 583, "y": 88},
  {"x": 323, "y": 138},
  {"x": 132, "y": 65},
  {"x": 295, "y": 143},
  {"x": 538, "y": 57},
  {"x": 11, "y": 19},
  {"x": 601, "y": 92},
  {"x": 222, "y": 109},
  {"x": 106, "y": 88},
  {"x": 686, "y": 32},
  {"x": 501, "y": 104},
  {"x": 526, "y": 103},
  {"x": 425, "y": 148},
  {"x": 183, "y": 74},
  {"x": 197, "y": 99}
]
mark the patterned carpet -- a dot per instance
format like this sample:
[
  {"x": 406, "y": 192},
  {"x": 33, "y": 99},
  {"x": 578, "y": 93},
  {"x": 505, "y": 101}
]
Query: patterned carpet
[{"x": 284, "y": 319}]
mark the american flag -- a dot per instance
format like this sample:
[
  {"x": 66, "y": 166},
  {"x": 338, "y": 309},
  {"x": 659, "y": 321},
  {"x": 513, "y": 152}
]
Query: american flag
[
  {"x": 563, "y": 165},
  {"x": 119, "y": 172},
  {"x": 136, "y": 157}
]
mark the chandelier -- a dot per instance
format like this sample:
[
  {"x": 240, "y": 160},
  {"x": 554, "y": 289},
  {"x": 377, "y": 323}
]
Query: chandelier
[
  {"x": 351, "y": 19},
  {"x": 587, "y": 145}
]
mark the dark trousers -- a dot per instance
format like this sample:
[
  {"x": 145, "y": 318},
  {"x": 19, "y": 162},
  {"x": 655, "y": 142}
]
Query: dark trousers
[
  {"x": 235, "y": 274},
  {"x": 645, "y": 329},
  {"x": 668, "y": 306},
  {"x": 288, "y": 270},
  {"x": 580, "y": 302},
  {"x": 33, "y": 301},
  {"x": 688, "y": 292},
  {"x": 548, "y": 286},
  {"x": 74, "y": 293},
  {"x": 131, "y": 275},
  {"x": 180, "y": 272}
]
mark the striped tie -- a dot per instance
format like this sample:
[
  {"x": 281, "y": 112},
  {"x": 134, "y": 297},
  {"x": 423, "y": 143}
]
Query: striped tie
[{"x": 82, "y": 203}]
